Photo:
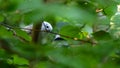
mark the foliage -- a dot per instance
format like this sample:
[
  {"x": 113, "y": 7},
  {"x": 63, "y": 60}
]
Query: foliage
[{"x": 85, "y": 25}]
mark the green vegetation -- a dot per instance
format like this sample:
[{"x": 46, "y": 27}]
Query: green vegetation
[{"x": 91, "y": 29}]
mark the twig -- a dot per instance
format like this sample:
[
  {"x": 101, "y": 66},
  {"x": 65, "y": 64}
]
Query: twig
[{"x": 73, "y": 38}]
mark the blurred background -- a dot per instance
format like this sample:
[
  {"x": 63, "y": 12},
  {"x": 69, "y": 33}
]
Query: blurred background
[{"x": 89, "y": 33}]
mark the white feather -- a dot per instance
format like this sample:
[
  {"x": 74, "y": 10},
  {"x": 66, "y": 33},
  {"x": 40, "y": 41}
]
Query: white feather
[{"x": 46, "y": 26}]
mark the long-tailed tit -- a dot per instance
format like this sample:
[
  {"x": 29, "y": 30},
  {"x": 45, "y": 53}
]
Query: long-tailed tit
[
  {"x": 46, "y": 26},
  {"x": 59, "y": 42},
  {"x": 57, "y": 37}
]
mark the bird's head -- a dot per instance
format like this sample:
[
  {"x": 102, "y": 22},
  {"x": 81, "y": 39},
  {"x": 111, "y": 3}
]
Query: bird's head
[{"x": 46, "y": 26}]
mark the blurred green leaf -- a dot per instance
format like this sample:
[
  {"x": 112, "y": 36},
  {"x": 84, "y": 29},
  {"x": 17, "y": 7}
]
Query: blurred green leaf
[
  {"x": 70, "y": 31},
  {"x": 33, "y": 16},
  {"x": 25, "y": 50},
  {"x": 1, "y": 18},
  {"x": 4, "y": 55},
  {"x": 110, "y": 10},
  {"x": 23, "y": 34},
  {"x": 104, "y": 53},
  {"x": 102, "y": 35},
  {"x": 15, "y": 19},
  {"x": 4, "y": 64},
  {"x": 27, "y": 6},
  {"x": 83, "y": 35},
  {"x": 5, "y": 33},
  {"x": 19, "y": 60},
  {"x": 8, "y": 5}
]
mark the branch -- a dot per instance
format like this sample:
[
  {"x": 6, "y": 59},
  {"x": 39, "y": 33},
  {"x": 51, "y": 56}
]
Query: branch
[
  {"x": 36, "y": 30},
  {"x": 35, "y": 34},
  {"x": 73, "y": 38}
]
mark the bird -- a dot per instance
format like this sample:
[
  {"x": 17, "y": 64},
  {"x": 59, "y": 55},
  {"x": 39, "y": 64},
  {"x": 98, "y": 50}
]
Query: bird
[
  {"x": 44, "y": 29},
  {"x": 58, "y": 37},
  {"x": 60, "y": 42},
  {"x": 46, "y": 26}
]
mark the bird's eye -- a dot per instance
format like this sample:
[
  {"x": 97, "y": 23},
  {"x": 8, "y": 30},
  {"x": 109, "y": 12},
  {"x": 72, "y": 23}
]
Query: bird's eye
[{"x": 47, "y": 27}]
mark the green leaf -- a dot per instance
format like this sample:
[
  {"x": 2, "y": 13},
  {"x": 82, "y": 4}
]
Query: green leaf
[
  {"x": 83, "y": 35},
  {"x": 19, "y": 60},
  {"x": 33, "y": 16},
  {"x": 110, "y": 10},
  {"x": 4, "y": 64},
  {"x": 15, "y": 19},
  {"x": 70, "y": 31},
  {"x": 4, "y": 55},
  {"x": 102, "y": 35},
  {"x": 5, "y": 33},
  {"x": 23, "y": 49},
  {"x": 23, "y": 34},
  {"x": 8, "y": 5},
  {"x": 1, "y": 18},
  {"x": 27, "y": 6}
]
